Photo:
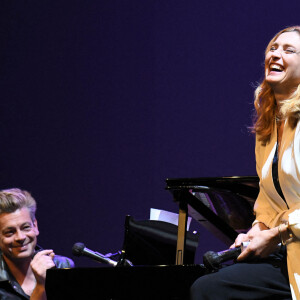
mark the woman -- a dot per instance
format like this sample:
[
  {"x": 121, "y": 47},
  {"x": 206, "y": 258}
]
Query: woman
[{"x": 263, "y": 271}]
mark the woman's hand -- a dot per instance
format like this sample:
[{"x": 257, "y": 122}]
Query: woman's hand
[
  {"x": 245, "y": 237},
  {"x": 262, "y": 242}
]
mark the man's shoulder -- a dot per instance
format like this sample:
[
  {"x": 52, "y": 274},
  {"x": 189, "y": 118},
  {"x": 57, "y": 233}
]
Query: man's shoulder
[{"x": 63, "y": 262}]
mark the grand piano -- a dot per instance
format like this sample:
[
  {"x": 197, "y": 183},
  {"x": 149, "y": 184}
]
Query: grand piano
[
  {"x": 224, "y": 205},
  {"x": 221, "y": 204}
]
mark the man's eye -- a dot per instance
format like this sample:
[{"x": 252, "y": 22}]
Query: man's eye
[
  {"x": 27, "y": 228},
  {"x": 8, "y": 233}
]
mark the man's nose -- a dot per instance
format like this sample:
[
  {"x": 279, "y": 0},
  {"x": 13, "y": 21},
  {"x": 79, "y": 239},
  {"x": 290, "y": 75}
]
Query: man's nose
[{"x": 20, "y": 235}]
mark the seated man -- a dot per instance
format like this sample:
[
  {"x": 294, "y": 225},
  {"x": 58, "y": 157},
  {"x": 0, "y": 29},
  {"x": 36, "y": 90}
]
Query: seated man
[{"x": 23, "y": 264}]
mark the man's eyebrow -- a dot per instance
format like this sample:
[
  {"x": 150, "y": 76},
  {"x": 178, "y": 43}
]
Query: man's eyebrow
[
  {"x": 27, "y": 223},
  {"x": 12, "y": 227},
  {"x": 8, "y": 228}
]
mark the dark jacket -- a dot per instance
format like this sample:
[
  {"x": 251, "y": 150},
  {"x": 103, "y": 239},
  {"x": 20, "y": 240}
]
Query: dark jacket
[{"x": 10, "y": 288}]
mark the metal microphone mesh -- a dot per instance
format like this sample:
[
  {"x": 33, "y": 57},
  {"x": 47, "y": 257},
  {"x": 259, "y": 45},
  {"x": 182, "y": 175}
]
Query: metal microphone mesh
[{"x": 77, "y": 249}]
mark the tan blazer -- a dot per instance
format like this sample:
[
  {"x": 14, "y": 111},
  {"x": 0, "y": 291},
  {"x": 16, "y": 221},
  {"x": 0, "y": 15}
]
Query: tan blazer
[{"x": 269, "y": 207}]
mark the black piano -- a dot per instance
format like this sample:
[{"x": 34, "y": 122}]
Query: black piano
[{"x": 223, "y": 205}]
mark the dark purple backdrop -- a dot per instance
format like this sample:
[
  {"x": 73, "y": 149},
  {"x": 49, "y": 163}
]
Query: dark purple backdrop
[{"x": 101, "y": 101}]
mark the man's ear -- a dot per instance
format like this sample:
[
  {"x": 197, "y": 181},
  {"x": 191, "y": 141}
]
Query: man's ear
[{"x": 36, "y": 229}]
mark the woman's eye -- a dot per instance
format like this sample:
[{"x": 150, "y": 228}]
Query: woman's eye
[
  {"x": 273, "y": 48},
  {"x": 289, "y": 51}
]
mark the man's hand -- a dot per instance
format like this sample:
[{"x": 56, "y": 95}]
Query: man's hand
[{"x": 41, "y": 262}]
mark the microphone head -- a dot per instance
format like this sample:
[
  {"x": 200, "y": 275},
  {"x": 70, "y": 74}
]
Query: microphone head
[
  {"x": 211, "y": 260},
  {"x": 77, "y": 249}
]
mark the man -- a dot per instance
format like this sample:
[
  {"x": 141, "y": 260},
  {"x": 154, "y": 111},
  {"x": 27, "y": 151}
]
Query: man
[{"x": 23, "y": 264}]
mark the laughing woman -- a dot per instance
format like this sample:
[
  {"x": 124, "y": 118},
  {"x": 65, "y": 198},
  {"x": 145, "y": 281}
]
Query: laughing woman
[{"x": 265, "y": 271}]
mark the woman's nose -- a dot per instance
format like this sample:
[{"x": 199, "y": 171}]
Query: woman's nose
[{"x": 277, "y": 53}]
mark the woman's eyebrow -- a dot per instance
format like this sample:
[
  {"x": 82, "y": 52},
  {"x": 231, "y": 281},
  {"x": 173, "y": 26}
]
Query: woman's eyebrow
[{"x": 284, "y": 45}]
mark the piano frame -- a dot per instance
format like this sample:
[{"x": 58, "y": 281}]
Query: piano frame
[{"x": 245, "y": 188}]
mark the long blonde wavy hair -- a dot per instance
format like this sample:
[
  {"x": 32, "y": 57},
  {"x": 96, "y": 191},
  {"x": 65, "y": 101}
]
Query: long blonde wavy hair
[{"x": 265, "y": 103}]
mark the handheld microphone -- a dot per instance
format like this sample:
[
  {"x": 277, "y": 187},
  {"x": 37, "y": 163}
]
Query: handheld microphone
[
  {"x": 79, "y": 249},
  {"x": 212, "y": 260}
]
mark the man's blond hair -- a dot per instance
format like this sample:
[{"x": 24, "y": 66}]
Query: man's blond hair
[{"x": 14, "y": 199}]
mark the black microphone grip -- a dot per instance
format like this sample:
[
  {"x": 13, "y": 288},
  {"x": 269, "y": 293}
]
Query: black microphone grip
[{"x": 212, "y": 260}]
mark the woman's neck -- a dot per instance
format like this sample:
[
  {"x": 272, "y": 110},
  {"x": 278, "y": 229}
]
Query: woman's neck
[
  {"x": 283, "y": 93},
  {"x": 280, "y": 98}
]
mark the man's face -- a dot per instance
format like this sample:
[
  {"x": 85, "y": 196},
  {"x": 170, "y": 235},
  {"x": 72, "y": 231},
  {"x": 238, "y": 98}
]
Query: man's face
[{"x": 18, "y": 234}]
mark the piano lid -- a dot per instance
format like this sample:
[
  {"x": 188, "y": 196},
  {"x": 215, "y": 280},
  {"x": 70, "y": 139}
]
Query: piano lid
[{"x": 224, "y": 205}]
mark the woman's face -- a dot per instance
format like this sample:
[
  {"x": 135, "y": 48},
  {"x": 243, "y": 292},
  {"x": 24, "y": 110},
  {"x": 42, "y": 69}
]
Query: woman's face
[{"x": 282, "y": 63}]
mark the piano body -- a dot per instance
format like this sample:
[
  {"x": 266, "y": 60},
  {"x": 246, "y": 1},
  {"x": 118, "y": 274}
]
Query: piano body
[{"x": 222, "y": 204}]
